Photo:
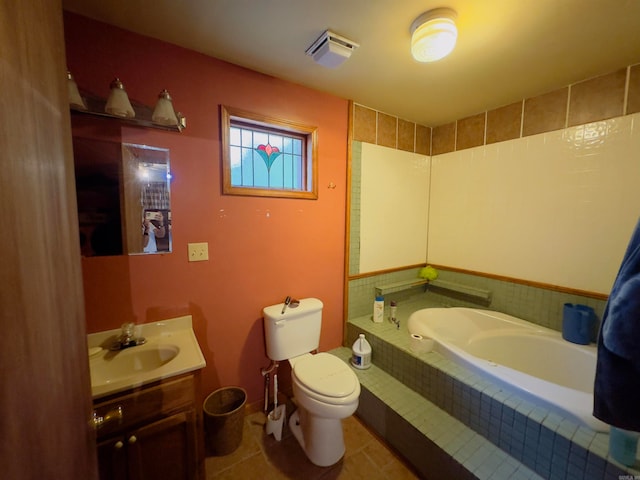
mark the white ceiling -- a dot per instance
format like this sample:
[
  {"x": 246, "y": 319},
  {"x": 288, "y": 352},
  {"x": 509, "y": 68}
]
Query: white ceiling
[{"x": 507, "y": 49}]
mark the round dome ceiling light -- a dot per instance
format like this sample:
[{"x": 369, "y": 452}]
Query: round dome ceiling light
[{"x": 433, "y": 35}]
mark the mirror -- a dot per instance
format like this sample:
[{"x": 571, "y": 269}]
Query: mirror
[{"x": 124, "y": 202}]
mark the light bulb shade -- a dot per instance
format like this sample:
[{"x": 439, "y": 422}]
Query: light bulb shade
[
  {"x": 75, "y": 100},
  {"x": 118, "y": 103},
  {"x": 164, "y": 114},
  {"x": 433, "y": 35}
]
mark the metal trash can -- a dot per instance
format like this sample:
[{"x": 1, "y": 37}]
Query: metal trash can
[{"x": 224, "y": 419}]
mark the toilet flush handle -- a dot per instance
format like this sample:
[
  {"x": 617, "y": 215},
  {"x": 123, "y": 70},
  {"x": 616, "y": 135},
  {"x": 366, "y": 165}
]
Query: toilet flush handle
[{"x": 287, "y": 301}]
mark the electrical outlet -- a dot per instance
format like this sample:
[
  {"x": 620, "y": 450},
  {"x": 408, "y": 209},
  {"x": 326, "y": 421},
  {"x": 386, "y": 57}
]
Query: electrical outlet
[{"x": 198, "y": 252}]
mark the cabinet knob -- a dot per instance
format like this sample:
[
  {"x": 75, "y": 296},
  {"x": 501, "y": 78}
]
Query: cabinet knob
[
  {"x": 118, "y": 445},
  {"x": 132, "y": 439}
]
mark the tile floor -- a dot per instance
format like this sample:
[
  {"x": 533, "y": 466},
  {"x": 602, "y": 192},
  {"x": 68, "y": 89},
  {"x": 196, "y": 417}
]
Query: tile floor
[{"x": 260, "y": 456}]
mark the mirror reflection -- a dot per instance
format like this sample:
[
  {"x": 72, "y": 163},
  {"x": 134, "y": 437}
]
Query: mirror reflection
[{"x": 124, "y": 201}]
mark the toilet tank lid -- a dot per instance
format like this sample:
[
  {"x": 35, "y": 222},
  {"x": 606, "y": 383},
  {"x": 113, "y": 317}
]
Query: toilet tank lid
[{"x": 306, "y": 305}]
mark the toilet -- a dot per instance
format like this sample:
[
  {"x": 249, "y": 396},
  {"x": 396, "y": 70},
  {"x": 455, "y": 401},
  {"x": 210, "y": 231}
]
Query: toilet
[{"x": 325, "y": 387}]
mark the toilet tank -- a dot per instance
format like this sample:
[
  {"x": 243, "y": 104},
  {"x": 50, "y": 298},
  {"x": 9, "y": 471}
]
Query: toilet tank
[{"x": 294, "y": 332}]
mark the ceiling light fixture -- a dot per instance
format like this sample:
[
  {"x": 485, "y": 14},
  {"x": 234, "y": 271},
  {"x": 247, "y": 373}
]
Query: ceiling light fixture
[{"x": 433, "y": 35}]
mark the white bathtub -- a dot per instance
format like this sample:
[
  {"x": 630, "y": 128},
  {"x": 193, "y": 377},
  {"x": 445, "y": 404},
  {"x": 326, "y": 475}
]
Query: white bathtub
[{"x": 520, "y": 356}]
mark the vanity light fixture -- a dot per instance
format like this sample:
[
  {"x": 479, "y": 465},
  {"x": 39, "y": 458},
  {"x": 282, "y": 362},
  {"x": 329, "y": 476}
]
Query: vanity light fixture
[
  {"x": 118, "y": 103},
  {"x": 433, "y": 35},
  {"x": 75, "y": 100},
  {"x": 164, "y": 114}
]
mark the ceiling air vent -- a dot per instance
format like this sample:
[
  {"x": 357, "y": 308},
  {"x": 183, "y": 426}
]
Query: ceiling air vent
[{"x": 330, "y": 50}]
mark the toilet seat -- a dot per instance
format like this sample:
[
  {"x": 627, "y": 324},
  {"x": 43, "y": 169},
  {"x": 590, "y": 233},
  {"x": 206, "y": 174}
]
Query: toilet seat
[{"x": 325, "y": 377}]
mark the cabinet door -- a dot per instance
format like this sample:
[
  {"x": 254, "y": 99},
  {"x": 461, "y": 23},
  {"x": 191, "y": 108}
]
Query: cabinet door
[
  {"x": 112, "y": 459},
  {"x": 165, "y": 449}
]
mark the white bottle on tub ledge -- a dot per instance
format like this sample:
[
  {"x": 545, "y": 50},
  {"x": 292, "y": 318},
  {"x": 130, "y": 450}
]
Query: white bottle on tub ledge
[{"x": 378, "y": 309}]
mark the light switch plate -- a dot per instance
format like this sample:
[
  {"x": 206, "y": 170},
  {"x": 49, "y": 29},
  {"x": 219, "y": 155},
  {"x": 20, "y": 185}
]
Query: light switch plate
[{"x": 198, "y": 252}]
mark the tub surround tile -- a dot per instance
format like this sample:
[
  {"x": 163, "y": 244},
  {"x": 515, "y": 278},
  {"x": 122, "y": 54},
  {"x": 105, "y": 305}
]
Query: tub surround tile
[
  {"x": 596, "y": 461},
  {"x": 552, "y": 421},
  {"x": 577, "y": 457},
  {"x": 534, "y": 304},
  {"x": 597, "y": 99},
  {"x": 387, "y": 130},
  {"x": 541, "y": 443},
  {"x": 600, "y": 445},
  {"x": 545, "y": 113},
  {"x": 356, "y": 188},
  {"x": 633, "y": 95},
  {"x": 506, "y": 470},
  {"x": 438, "y": 447},
  {"x": 544, "y": 461},
  {"x": 504, "y": 123},
  {"x": 567, "y": 428},
  {"x": 423, "y": 140},
  {"x": 478, "y": 457},
  {"x": 470, "y": 132},
  {"x": 593, "y": 471},
  {"x": 406, "y": 135},
  {"x": 584, "y": 437},
  {"x": 538, "y": 414},
  {"x": 378, "y": 128},
  {"x": 592, "y": 100},
  {"x": 364, "y": 124},
  {"x": 443, "y": 139}
]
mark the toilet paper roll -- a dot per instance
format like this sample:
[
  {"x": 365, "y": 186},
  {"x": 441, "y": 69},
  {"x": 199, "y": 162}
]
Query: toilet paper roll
[{"x": 420, "y": 344}]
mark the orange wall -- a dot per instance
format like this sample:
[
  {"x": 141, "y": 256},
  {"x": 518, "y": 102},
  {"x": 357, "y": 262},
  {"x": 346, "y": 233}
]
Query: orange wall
[{"x": 260, "y": 249}]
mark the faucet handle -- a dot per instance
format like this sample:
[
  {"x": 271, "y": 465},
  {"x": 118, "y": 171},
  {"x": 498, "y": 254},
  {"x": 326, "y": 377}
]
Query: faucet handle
[{"x": 127, "y": 329}]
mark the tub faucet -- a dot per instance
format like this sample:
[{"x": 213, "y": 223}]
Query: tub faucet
[{"x": 127, "y": 338}]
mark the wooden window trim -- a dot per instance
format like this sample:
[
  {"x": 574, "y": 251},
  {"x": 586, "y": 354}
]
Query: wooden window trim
[{"x": 229, "y": 114}]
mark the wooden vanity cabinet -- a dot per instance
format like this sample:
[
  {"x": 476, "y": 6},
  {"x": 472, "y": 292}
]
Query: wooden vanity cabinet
[{"x": 158, "y": 437}]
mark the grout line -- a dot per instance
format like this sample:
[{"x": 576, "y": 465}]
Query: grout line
[
  {"x": 566, "y": 115},
  {"x": 377, "y": 123},
  {"x": 455, "y": 136},
  {"x": 627, "y": 80},
  {"x": 522, "y": 118},
  {"x": 486, "y": 119}
]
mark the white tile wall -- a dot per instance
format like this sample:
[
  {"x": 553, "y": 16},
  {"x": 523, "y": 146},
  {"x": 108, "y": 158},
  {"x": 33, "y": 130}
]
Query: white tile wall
[
  {"x": 556, "y": 208},
  {"x": 394, "y": 206}
]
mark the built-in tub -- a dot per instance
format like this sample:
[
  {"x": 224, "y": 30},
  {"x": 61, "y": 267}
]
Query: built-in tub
[{"x": 520, "y": 356}]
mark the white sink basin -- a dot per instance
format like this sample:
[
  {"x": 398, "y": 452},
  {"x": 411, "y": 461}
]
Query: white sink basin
[
  {"x": 130, "y": 362},
  {"x": 142, "y": 359},
  {"x": 171, "y": 349}
]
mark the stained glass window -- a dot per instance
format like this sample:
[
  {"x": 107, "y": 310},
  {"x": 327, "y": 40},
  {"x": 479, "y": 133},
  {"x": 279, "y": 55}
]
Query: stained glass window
[{"x": 267, "y": 157}]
